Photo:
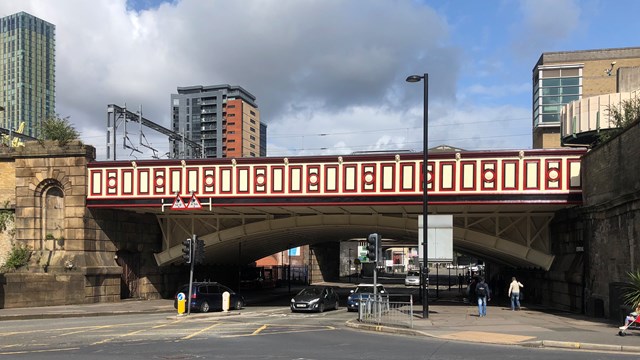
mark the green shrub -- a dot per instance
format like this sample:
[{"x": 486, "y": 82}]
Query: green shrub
[
  {"x": 631, "y": 294},
  {"x": 18, "y": 257},
  {"x": 5, "y": 217}
]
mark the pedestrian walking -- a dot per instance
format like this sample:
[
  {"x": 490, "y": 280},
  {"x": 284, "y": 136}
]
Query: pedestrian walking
[
  {"x": 460, "y": 281},
  {"x": 484, "y": 295},
  {"x": 514, "y": 293}
]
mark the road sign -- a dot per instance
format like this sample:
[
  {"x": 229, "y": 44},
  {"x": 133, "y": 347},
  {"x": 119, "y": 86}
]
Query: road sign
[
  {"x": 181, "y": 296},
  {"x": 178, "y": 204},
  {"x": 194, "y": 203}
]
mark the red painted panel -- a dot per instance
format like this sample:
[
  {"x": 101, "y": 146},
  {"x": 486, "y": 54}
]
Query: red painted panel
[
  {"x": 408, "y": 170},
  {"x": 463, "y": 165},
  {"x": 384, "y": 166},
  {"x": 452, "y": 165},
  {"x": 516, "y": 179},
  {"x": 100, "y": 179},
  {"x": 327, "y": 189},
  {"x": 260, "y": 181},
  {"x": 489, "y": 175},
  {"x": 313, "y": 179},
  {"x": 526, "y": 184},
  {"x": 298, "y": 177},
  {"x": 553, "y": 174},
  {"x": 112, "y": 182},
  {"x": 283, "y": 176},
  {"x": 208, "y": 180},
  {"x": 178, "y": 184},
  {"x": 353, "y": 167},
  {"x": 159, "y": 181},
  {"x": 130, "y": 172},
  {"x": 225, "y": 170},
  {"x": 368, "y": 178},
  {"x": 140, "y": 182}
]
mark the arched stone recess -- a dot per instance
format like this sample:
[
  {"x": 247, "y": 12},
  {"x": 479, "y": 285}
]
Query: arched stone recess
[
  {"x": 249, "y": 242},
  {"x": 49, "y": 203}
]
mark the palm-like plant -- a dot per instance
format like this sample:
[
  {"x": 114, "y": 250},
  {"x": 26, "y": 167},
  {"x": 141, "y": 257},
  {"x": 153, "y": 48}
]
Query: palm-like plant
[{"x": 631, "y": 295}]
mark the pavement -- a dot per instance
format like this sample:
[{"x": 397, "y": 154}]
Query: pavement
[{"x": 449, "y": 319}]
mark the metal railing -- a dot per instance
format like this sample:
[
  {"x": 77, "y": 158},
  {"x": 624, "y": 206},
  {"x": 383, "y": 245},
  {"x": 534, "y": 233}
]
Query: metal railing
[{"x": 387, "y": 309}]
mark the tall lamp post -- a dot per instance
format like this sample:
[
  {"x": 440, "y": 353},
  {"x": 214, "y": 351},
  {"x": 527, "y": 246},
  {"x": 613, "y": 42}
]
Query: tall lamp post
[{"x": 424, "y": 285}]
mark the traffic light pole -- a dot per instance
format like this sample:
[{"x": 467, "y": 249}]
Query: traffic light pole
[{"x": 192, "y": 262}]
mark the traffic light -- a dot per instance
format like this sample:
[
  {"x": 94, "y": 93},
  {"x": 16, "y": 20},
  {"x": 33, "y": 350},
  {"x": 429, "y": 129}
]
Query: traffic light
[
  {"x": 372, "y": 246},
  {"x": 187, "y": 251},
  {"x": 199, "y": 256}
]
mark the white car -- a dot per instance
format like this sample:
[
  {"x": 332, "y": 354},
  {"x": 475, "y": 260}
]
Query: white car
[{"x": 412, "y": 278}]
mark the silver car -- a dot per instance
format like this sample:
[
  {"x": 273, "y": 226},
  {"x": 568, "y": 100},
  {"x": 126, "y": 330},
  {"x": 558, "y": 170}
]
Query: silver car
[{"x": 412, "y": 278}]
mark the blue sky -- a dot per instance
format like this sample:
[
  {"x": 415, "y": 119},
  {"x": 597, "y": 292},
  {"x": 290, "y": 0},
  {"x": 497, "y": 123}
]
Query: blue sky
[{"x": 328, "y": 75}]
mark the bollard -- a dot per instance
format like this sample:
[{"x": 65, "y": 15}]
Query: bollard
[
  {"x": 225, "y": 301},
  {"x": 182, "y": 301}
]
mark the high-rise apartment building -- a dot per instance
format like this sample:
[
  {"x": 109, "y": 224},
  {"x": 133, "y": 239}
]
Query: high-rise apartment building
[
  {"x": 563, "y": 77},
  {"x": 27, "y": 67},
  {"x": 224, "y": 119}
]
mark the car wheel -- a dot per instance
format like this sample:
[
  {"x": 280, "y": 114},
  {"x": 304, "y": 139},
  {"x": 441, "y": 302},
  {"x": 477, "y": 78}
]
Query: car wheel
[
  {"x": 239, "y": 305},
  {"x": 321, "y": 308},
  {"x": 204, "y": 307}
]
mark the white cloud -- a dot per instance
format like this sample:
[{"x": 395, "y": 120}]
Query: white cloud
[{"x": 332, "y": 67}]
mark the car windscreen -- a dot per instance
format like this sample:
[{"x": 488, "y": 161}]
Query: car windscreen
[
  {"x": 310, "y": 292},
  {"x": 413, "y": 273}
]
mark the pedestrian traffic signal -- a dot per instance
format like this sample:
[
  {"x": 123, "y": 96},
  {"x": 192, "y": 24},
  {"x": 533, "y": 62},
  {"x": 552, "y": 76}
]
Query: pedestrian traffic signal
[
  {"x": 187, "y": 253},
  {"x": 372, "y": 246}
]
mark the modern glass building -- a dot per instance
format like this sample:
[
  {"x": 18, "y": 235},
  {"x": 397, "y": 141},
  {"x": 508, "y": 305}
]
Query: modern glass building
[
  {"x": 562, "y": 77},
  {"x": 27, "y": 86},
  {"x": 223, "y": 118}
]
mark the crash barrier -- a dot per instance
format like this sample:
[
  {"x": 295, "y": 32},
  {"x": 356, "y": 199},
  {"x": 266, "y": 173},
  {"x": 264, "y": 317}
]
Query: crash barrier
[{"x": 387, "y": 309}]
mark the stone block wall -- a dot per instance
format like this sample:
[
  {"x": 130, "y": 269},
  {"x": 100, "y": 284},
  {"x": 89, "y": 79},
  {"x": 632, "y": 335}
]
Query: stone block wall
[
  {"x": 7, "y": 181},
  {"x": 29, "y": 290},
  {"x": 610, "y": 219}
]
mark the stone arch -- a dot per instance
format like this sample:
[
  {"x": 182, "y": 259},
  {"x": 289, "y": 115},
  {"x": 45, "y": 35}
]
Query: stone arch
[{"x": 50, "y": 204}]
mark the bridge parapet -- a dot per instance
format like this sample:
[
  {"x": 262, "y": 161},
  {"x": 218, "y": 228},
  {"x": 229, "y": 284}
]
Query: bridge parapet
[{"x": 453, "y": 177}]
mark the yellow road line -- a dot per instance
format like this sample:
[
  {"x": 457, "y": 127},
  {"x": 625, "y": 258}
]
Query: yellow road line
[
  {"x": 200, "y": 331},
  {"x": 259, "y": 330},
  {"x": 37, "y": 351},
  {"x": 134, "y": 332},
  {"x": 328, "y": 328},
  {"x": 71, "y": 328}
]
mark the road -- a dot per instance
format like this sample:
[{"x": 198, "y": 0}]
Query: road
[{"x": 259, "y": 332}]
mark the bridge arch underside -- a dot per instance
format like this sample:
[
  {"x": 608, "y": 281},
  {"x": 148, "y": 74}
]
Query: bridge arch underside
[{"x": 511, "y": 235}]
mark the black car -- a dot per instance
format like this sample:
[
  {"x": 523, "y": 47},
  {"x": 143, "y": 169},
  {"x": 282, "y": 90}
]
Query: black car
[
  {"x": 317, "y": 299},
  {"x": 207, "y": 296}
]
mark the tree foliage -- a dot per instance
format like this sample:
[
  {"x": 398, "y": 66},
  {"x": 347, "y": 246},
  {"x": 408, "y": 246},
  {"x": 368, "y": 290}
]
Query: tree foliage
[
  {"x": 621, "y": 117},
  {"x": 58, "y": 129}
]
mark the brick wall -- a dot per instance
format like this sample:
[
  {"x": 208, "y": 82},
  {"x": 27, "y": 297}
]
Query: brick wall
[{"x": 7, "y": 181}]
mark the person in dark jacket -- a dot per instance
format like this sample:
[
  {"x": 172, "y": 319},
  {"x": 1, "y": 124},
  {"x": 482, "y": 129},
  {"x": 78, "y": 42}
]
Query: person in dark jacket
[{"x": 483, "y": 293}]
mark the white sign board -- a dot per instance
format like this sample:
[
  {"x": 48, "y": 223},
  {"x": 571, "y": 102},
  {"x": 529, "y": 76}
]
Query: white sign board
[{"x": 439, "y": 238}]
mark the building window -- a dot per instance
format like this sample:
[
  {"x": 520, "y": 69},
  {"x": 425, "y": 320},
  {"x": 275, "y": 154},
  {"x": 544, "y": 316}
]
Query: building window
[
  {"x": 553, "y": 88},
  {"x": 252, "y": 129}
]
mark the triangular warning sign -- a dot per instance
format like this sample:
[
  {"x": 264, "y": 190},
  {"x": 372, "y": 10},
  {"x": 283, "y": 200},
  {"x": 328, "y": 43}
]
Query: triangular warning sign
[
  {"x": 178, "y": 204},
  {"x": 194, "y": 203}
]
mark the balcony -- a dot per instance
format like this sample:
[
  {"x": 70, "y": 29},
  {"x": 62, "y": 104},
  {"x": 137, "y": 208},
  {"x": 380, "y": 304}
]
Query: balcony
[{"x": 582, "y": 121}]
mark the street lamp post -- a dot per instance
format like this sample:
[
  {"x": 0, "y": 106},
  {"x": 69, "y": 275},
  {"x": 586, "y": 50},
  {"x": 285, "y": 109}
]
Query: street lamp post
[{"x": 424, "y": 285}]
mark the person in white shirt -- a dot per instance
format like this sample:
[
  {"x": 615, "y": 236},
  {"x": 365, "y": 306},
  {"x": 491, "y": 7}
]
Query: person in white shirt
[{"x": 514, "y": 293}]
